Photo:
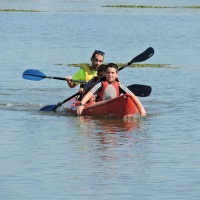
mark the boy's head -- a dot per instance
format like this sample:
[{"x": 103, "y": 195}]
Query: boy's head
[
  {"x": 101, "y": 71},
  {"x": 111, "y": 72},
  {"x": 111, "y": 65}
]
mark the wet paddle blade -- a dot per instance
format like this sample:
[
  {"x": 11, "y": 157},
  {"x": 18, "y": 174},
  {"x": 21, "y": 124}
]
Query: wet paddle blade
[
  {"x": 140, "y": 90},
  {"x": 33, "y": 75},
  {"x": 143, "y": 56},
  {"x": 140, "y": 58},
  {"x": 54, "y": 107},
  {"x": 49, "y": 108}
]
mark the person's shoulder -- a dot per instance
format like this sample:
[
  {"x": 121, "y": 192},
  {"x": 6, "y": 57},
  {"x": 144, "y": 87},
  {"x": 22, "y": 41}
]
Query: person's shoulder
[
  {"x": 85, "y": 67},
  {"x": 80, "y": 72},
  {"x": 121, "y": 84},
  {"x": 81, "y": 69},
  {"x": 79, "y": 75}
]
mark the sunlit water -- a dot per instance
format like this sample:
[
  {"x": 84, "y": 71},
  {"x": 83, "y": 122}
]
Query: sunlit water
[{"x": 54, "y": 156}]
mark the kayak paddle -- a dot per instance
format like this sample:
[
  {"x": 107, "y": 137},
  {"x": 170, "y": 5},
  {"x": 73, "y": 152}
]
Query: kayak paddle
[
  {"x": 139, "y": 58},
  {"x": 138, "y": 90},
  {"x": 36, "y": 75}
]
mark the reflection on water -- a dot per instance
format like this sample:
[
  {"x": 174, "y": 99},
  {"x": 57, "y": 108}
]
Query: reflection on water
[
  {"x": 106, "y": 136},
  {"x": 113, "y": 146},
  {"x": 107, "y": 125}
]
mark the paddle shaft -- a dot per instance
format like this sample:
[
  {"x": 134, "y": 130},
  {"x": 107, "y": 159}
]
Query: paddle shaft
[
  {"x": 86, "y": 89},
  {"x": 64, "y": 79}
]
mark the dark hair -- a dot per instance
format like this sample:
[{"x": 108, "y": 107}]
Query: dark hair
[
  {"x": 112, "y": 65},
  {"x": 98, "y": 52},
  {"x": 101, "y": 68}
]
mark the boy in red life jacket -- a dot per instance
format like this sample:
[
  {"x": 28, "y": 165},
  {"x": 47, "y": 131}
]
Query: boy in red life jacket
[{"x": 110, "y": 88}]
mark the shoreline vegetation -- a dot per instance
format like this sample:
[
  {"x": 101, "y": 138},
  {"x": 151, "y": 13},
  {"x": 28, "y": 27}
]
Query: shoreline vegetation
[
  {"x": 109, "y": 6},
  {"x": 142, "y": 6},
  {"x": 15, "y": 10},
  {"x": 121, "y": 64}
]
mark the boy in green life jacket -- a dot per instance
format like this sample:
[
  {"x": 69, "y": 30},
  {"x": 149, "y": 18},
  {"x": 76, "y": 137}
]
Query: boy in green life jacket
[
  {"x": 100, "y": 74},
  {"x": 86, "y": 73}
]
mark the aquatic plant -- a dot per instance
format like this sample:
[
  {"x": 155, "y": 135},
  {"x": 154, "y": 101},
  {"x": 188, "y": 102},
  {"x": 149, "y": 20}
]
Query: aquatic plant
[
  {"x": 197, "y": 7},
  {"x": 121, "y": 64},
  {"x": 136, "y": 6},
  {"x": 144, "y": 6},
  {"x": 14, "y": 10}
]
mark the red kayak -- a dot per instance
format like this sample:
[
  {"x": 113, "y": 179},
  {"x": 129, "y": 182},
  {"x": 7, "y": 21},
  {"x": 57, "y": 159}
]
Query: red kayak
[{"x": 120, "y": 107}]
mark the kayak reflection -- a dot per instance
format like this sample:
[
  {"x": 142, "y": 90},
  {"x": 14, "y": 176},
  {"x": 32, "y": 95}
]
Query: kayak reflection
[
  {"x": 107, "y": 125},
  {"x": 101, "y": 136}
]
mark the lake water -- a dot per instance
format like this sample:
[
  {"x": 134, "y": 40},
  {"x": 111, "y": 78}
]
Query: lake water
[{"x": 54, "y": 156}]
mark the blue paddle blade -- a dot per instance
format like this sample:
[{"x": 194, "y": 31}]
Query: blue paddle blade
[
  {"x": 33, "y": 74},
  {"x": 49, "y": 108}
]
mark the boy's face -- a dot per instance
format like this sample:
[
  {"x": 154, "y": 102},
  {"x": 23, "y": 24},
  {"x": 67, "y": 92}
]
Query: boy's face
[{"x": 111, "y": 74}]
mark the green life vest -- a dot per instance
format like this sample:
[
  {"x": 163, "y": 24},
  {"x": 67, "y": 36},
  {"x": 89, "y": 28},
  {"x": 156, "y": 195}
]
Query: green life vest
[{"x": 89, "y": 74}]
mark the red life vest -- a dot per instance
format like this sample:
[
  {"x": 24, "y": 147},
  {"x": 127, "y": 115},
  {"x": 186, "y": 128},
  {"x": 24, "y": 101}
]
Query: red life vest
[{"x": 108, "y": 91}]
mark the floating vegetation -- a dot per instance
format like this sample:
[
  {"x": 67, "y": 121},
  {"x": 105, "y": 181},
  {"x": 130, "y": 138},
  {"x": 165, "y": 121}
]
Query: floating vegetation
[
  {"x": 197, "y": 7},
  {"x": 121, "y": 64},
  {"x": 142, "y": 6},
  {"x": 135, "y": 6},
  {"x": 110, "y": 6},
  {"x": 14, "y": 10}
]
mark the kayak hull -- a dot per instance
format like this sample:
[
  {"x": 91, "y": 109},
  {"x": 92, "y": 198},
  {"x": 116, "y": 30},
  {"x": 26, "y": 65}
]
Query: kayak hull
[{"x": 120, "y": 107}]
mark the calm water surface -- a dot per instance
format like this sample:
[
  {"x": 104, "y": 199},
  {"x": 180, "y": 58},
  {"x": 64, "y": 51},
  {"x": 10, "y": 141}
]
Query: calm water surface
[{"x": 54, "y": 156}]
